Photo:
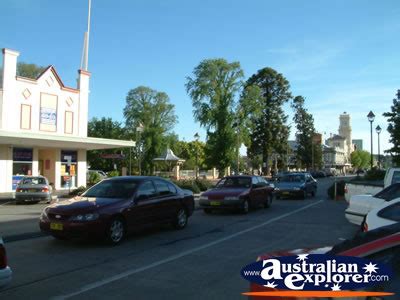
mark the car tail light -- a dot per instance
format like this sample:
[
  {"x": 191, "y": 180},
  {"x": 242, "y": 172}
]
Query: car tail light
[
  {"x": 3, "y": 257},
  {"x": 365, "y": 227},
  {"x": 19, "y": 190},
  {"x": 45, "y": 190}
]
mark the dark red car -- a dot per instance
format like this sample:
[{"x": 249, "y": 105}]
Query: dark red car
[
  {"x": 381, "y": 244},
  {"x": 116, "y": 206},
  {"x": 238, "y": 192}
]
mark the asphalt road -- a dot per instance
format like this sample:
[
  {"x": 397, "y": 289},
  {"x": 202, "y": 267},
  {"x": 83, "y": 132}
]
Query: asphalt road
[{"x": 202, "y": 261}]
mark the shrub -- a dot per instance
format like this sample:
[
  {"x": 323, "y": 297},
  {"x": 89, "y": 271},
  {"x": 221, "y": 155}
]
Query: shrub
[
  {"x": 339, "y": 189},
  {"x": 375, "y": 174},
  {"x": 204, "y": 184},
  {"x": 113, "y": 173},
  {"x": 188, "y": 184},
  {"x": 78, "y": 191},
  {"x": 94, "y": 178}
]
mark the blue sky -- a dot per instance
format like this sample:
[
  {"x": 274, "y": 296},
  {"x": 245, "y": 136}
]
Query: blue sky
[{"x": 339, "y": 55}]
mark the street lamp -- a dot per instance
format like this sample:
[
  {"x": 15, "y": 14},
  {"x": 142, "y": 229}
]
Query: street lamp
[
  {"x": 378, "y": 131},
  {"x": 371, "y": 118},
  {"x": 196, "y": 137},
  {"x": 139, "y": 130}
]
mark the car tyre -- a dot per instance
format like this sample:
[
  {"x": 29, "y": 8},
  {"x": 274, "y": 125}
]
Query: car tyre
[
  {"x": 181, "y": 219},
  {"x": 313, "y": 193},
  {"x": 245, "y": 207},
  {"x": 304, "y": 196},
  {"x": 268, "y": 201},
  {"x": 116, "y": 231}
]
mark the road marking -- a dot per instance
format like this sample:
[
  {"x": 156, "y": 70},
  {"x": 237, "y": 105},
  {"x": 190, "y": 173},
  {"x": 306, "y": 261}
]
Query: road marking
[{"x": 125, "y": 274}]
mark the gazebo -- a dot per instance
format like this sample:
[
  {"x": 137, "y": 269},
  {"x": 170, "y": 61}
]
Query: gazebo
[{"x": 171, "y": 161}]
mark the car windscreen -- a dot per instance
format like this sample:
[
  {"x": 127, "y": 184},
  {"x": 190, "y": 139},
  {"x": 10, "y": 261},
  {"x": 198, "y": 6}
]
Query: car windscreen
[
  {"x": 292, "y": 178},
  {"x": 33, "y": 180},
  {"x": 234, "y": 182},
  {"x": 112, "y": 189}
]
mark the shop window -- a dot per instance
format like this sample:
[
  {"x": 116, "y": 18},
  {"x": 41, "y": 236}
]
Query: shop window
[
  {"x": 69, "y": 164},
  {"x": 22, "y": 164},
  {"x": 25, "y": 116}
]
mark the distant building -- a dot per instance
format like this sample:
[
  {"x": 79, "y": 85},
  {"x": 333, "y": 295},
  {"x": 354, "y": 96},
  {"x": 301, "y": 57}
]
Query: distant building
[{"x": 357, "y": 144}]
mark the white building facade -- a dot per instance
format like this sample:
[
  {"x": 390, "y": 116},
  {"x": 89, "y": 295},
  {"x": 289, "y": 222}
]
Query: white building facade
[{"x": 43, "y": 127}]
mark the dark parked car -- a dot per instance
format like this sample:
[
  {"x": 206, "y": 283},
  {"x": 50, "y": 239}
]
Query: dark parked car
[
  {"x": 33, "y": 189},
  {"x": 296, "y": 185},
  {"x": 116, "y": 206},
  {"x": 5, "y": 271},
  {"x": 238, "y": 192}
]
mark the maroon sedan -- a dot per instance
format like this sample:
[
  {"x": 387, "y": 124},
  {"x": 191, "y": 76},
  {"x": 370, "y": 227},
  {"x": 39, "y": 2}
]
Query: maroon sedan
[
  {"x": 115, "y": 206},
  {"x": 238, "y": 192}
]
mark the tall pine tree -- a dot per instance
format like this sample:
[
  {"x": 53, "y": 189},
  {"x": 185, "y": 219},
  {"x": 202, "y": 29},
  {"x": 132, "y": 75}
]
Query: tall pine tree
[{"x": 394, "y": 129}]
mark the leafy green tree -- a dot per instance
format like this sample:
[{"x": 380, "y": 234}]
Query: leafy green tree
[
  {"x": 213, "y": 89},
  {"x": 360, "y": 159},
  {"x": 307, "y": 150},
  {"x": 29, "y": 70},
  {"x": 394, "y": 129},
  {"x": 108, "y": 129},
  {"x": 151, "y": 110},
  {"x": 263, "y": 105}
]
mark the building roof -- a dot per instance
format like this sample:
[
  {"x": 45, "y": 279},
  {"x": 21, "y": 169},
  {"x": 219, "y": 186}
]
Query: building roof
[
  {"x": 337, "y": 137},
  {"x": 30, "y": 139},
  {"x": 169, "y": 155}
]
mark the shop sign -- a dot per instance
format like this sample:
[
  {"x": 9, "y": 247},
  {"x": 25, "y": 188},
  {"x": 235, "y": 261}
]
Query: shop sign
[
  {"x": 69, "y": 156},
  {"x": 22, "y": 154},
  {"x": 48, "y": 116}
]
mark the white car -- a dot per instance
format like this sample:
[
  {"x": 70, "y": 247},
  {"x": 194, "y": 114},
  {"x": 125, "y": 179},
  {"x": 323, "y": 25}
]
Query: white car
[
  {"x": 361, "y": 205},
  {"x": 5, "y": 271},
  {"x": 386, "y": 214}
]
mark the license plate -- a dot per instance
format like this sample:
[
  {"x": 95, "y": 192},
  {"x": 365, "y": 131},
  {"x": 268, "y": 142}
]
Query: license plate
[
  {"x": 215, "y": 203},
  {"x": 285, "y": 193},
  {"x": 32, "y": 191},
  {"x": 56, "y": 226}
]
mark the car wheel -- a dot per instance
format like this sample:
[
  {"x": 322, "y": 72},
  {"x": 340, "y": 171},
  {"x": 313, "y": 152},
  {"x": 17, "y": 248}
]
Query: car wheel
[
  {"x": 245, "y": 207},
  {"x": 268, "y": 201},
  {"x": 116, "y": 231},
  {"x": 60, "y": 238},
  {"x": 181, "y": 219},
  {"x": 304, "y": 195},
  {"x": 313, "y": 193},
  {"x": 207, "y": 210}
]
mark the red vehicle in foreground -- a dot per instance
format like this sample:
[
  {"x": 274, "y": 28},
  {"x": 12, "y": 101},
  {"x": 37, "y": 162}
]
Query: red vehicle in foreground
[{"x": 381, "y": 244}]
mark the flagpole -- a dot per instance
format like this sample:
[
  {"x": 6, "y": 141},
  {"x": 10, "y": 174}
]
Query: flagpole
[{"x": 87, "y": 37}]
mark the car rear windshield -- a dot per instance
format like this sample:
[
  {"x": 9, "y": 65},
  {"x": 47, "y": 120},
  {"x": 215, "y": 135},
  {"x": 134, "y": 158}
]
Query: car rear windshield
[
  {"x": 33, "y": 180},
  {"x": 292, "y": 178},
  {"x": 112, "y": 189},
  {"x": 234, "y": 182}
]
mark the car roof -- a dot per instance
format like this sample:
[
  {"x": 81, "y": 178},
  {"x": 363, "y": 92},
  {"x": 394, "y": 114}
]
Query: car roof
[
  {"x": 367, "y": 237},
  {"x": 137, "y": 178}
]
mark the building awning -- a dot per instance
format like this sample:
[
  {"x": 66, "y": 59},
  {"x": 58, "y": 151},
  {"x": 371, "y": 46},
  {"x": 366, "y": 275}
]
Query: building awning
[{"x": 30, "y": 139}]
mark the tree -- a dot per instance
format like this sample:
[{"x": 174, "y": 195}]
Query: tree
[
  {"x": 394, "y": 129},
  {"x": 29, "y": 70},
  {"x": 213, "y": 89},
  {"x": 307, "y": 150},
  {"x": 152, "y": 110},
  {"x": 360, "y": 159},
  {"x": 105, "y": 128},
  {"x": 268, "y": 133}
]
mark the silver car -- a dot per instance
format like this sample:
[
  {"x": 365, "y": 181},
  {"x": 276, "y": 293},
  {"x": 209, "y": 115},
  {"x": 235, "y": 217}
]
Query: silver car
[
  {"x": 33, "y": 189},
  {"x": 5, "y": 271}
]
